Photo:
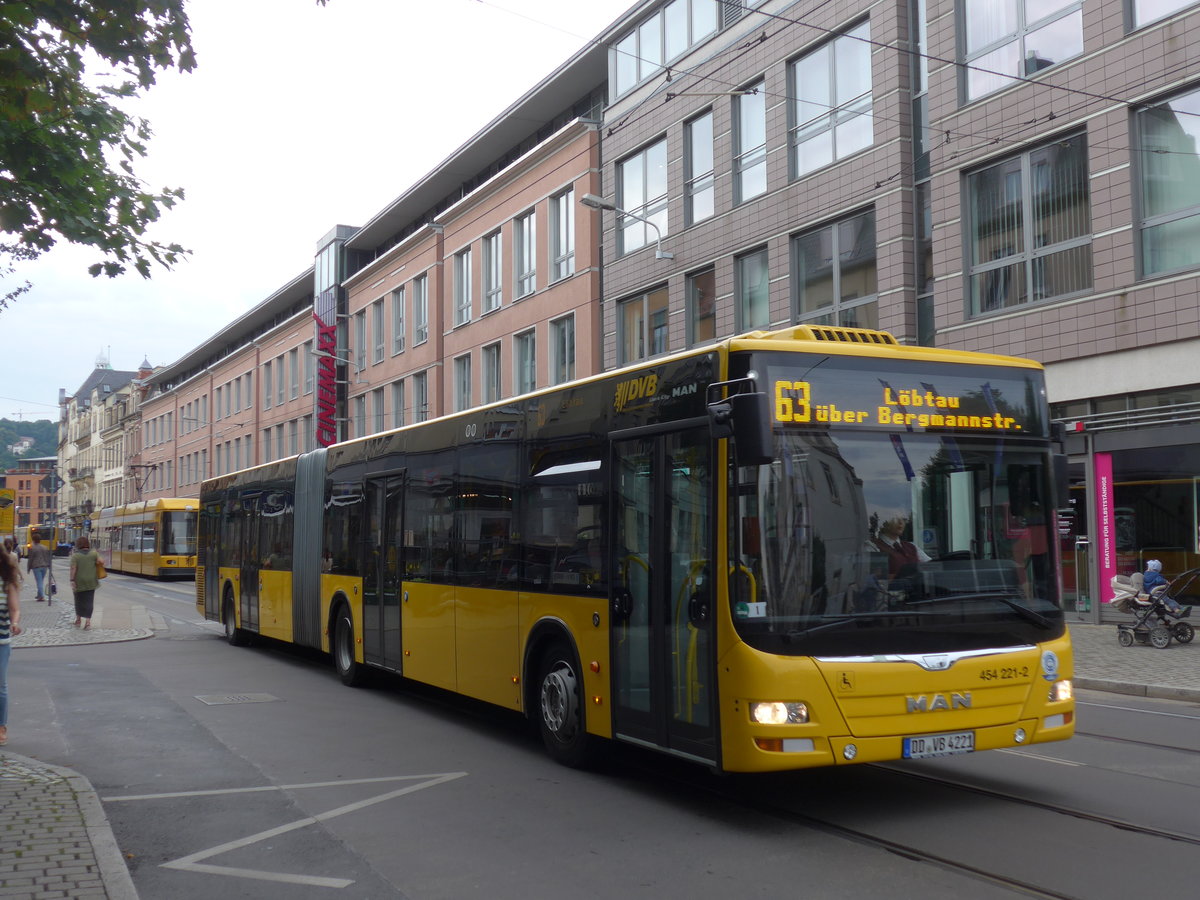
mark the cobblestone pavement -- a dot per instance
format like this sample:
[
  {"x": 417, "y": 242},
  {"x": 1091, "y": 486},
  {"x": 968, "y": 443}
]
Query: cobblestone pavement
[{"x": 55, "y": 840}]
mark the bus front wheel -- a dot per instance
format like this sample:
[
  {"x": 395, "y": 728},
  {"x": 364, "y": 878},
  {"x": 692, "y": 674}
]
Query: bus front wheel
[
  {"x": 560, "y": 709},
  {"x": 348, "y": 668}
]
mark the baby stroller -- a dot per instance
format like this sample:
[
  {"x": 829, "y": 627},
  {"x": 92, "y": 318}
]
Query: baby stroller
[{"x": 1154, "y": 622}]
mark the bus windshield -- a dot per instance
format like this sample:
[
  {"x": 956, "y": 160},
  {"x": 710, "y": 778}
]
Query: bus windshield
[{"x": 871, "y": 542}]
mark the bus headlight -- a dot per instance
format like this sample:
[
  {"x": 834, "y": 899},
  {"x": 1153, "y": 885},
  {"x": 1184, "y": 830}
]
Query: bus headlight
[
  {"x": 1061, "y": 690},
  {"x": 778, "y": 713}
]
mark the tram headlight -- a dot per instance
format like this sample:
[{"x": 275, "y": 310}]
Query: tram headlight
[
  {"x": 1061, "y": 690},
  {"x": 779, "y": 713}
]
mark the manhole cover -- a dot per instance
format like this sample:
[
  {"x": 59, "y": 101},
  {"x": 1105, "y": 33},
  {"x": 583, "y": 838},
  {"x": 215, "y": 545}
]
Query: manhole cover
[{"x": 222, "y": 699}]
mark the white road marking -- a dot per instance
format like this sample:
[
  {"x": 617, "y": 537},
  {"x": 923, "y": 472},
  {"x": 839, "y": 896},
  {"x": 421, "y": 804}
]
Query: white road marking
[{"x": 194, "y": 861}]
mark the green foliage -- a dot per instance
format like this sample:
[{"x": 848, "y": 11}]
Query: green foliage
[
  {"x": 43, "y": 431},
  {"x": 66, "y": 147}
]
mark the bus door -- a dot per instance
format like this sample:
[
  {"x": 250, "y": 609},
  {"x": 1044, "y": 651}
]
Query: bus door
[
  {"x": 249, "y": 563},
  {"x": 382, "y": 551},
  {"x": 662, "y": 610}
]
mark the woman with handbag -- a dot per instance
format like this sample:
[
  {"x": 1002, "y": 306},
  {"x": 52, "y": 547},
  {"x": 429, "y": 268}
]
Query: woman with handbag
[{"x": 85, "y": 578}]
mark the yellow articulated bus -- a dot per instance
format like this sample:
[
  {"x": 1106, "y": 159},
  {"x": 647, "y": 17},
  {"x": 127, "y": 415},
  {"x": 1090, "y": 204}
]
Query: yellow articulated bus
[
  {"x": 152, "y": 537},
  {"x": 789, "y": 549}
]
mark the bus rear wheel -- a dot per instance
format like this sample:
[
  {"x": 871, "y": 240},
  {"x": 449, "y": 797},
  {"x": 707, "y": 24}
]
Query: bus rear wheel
[
  {"x": 560, "y": 709},
  {"x": 234, "y": 635},
  {"x": 347, "y": 667}
]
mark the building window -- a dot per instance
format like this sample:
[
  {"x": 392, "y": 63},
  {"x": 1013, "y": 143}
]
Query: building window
[
  {"x": 1029, "y": 228},
  {"x": 421, "y": 309},
  {"x": 562, "y": 235},
  {"x": 462, "y": 287},
  {"x": 1167, "y": 135},
  {"x": 562, "y": 349},
  {"x": 379, "y": 409},
  {"x": 661, "y": 38},
  {"x": 360, "y": 418},
  {"x": 753, "y": 290},
  {"x": 699, "y": 193},
  {"x": 1008, "y": 39},
  {"x": 834, "y": 273},
  {"x": 398, "y": 404},
  {"x": 397, "y": 321},
  {"x": 831, "y": 110},
  {"x": 642, "y": 326},
  {"x": 525, "y": 358},
  {"x": 462, "y": 383},
  {"x": 702, "y": 307},
  {"x": 360, "y": 340},
  {"x": 420, "y": 397},
  {"x": 750, "y": 163},
  {"x": 642, "y": 190},
  {"x": 280, "y": 382},
  {"x": 491, "y": 373},
  {"x": 377, "y": 331},
  {"x": 524, "y": 255},
  {"x": 310, "y": 367},
  {"x": 1145, "y": 11},
  {"x": 294, "y": 371},
  {"x": 266, "y": 445},
  {"x": 266, "y": 384},
  {"x": 493, "y": 278}
]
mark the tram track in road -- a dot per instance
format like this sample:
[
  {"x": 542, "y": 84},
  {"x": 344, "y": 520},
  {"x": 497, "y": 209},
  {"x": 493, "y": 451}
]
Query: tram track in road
[
  {"x": 1059, "y": 809},
  {"x": 703, "y": 781},
  {"x": 742, "y": 792}
]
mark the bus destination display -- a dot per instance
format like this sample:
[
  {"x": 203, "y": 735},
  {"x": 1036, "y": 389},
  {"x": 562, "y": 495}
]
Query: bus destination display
[{"x": 999, "y": 402}]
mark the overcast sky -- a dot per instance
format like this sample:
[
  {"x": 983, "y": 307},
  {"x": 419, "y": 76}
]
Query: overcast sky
[{"x": 297, "y": 118}]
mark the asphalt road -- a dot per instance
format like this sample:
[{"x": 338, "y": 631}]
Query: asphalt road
[{"x": 253, "y": 773}]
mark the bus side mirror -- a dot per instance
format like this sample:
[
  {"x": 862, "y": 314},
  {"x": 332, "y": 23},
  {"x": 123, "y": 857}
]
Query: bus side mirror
[{"x": 747, "y": 419}]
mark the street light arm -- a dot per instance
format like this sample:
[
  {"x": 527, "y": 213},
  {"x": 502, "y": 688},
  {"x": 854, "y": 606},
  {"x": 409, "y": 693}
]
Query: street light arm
[{"x": 594, "y": 202}]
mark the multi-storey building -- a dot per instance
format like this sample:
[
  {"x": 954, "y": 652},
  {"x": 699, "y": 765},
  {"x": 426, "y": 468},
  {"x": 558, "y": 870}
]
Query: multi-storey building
[
  {"x": 97, "y": 439},
  {"x": 1007, "y": 177},
  {"x": 33, "y": 503}
]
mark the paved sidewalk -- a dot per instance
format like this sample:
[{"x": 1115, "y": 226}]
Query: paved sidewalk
[{"x": 55, "y": 840}]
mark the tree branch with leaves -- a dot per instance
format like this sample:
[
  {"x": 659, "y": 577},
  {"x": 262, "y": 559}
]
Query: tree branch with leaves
[{"x": 67, "y": 149}]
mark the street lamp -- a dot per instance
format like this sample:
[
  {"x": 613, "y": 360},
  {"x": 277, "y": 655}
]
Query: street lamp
[
  {"x": 595, "y": 202},
  {"x": 325, "y": 354}
]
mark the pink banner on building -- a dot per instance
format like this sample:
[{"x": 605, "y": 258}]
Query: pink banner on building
[{"x": 1106, "y": 526}]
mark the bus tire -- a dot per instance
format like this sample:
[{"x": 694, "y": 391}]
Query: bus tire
[
  {"x": 235, "y": 636},
  {"x": 560, "y": 709},
  {"x": 342, "y": 648}
]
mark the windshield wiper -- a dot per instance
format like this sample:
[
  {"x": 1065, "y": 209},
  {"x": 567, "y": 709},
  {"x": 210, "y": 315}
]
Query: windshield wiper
[
  {"x": 830, "y": 622},
  {"x": 1020, "y": 609}
]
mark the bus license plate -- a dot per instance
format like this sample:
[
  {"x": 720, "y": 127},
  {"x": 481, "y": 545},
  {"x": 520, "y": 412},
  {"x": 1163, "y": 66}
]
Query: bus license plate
[{"x": 930, "y": 745}]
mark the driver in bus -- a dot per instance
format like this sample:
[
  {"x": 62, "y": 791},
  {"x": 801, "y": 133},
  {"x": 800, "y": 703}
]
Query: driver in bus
[{"x": 902, "y": 556}]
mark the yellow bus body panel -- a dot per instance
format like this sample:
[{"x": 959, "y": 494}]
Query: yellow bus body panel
[
  {"x": 275, "y": 604},
  {"x": 349, "y": 587},
  {"x": 230, "y": 577},
  {"x": 873, "y": 705},
  {"x": 586, "y": 619},
  {"x": 487, "y": 647},
  {"x": 427, "y": 633}
]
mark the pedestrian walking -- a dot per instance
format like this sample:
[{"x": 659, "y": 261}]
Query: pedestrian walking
[
  {"x": 10, "y": 627},
  {"x": 85, "y": 565},
  {"x": 38, "y": 562}
]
